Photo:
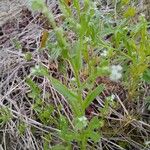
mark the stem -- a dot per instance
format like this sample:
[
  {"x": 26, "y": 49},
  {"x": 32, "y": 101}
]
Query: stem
[
  {"x": 83, "y": 144},
  {"x": 79, "y": 90}
]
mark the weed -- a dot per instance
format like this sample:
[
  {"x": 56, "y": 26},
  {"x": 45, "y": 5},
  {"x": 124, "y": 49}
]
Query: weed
[
  {"x": 89, "y": 87},
  {"x": 129, "y": 45},
  {"x": 5, "y": 116}
]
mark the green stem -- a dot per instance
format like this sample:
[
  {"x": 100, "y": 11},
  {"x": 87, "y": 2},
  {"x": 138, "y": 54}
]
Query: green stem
[
  {"x": 79, "y": 90},
  {"x": 83, "y": 144}
]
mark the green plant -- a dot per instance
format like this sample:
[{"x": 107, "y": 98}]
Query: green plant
[
  {"x": 80, "y": 55},
  {"x": 132, "y": 45},
  {"x": 89, "y": 57},
  {"x": 79, "y": 52},
  {"x": 22, "y": 128},
  {"x": 5, "y": 115},
  {"x": 43, "y": 111}
]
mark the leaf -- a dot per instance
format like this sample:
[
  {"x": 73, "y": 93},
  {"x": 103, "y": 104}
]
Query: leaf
[
  {"x": 71, "y": 97},
  {"x": 146, "y": 76},
  {"x": 66, "y": 11},
  {"x": 38, "y": 5},
  {"x": 62, "y": 89},
  {"x": 125, "y": 2},
  {"x": 63, "y": 123},
  {"x": 5, "y": 115},
  {"x": 130, "y": 12},
  {"x": 40, "y": 71},
  {"x": 76, "y": 5},
  {"x": 95, "y": 136},
  {"x": 92, "y": 95},
  {"x": 65, "y": 133},
  {"x": 62, "y": 41},
  {"x": 77, "y": 57},
  {"x": 17, "y": 44},
  {"x": 28, "y": 56},
  {"x": 69, "y": 136},
  {"x": 95, "y": 123},
  {"x": 58, "y": 147},
  {"x": 35, "y": 90}
]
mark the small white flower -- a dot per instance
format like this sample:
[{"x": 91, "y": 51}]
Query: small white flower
[
  {"x": 37, "y": 67},
  {"x": 115, "y": 76},
  {"x": 142, "y": 15},
  {"x": 116, "y": 68},
  {"x": 115, "y": 72},
  {"x": 133, "y": 53},
  {"x": 104, "y": 53},
  {"x": 147, "y": 142},
  {"x": 83, "y": 118},
  {"x": 112, "y": 97},
  {"x": 73, "y": 79},
  {"x": 87, "y": 39},
  {"x": 34, "y": 70}
]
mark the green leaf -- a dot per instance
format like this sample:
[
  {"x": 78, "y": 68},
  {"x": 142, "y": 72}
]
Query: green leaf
[
  {"x": 90, "y": 132},
  {"x": 95, "y": 123},
  {"x": 66, "y": 11},
  {"x": 77, "y": 57},
  {"x": 130, "y": 12},
  {"x": 95, "y": 136},
  {"x": 17, "y": 44},
  {"x": 92, "y": 95},
  {"x": 46, "y": 112},
  {"x": 61, "y": 41},
  {"x": 35, "y": 90},
  {"x": 69, "y": 136},
  {"x": 125, "y": 2},
  {"x": 5, "y": 115},
  {"x": 22, "y": 128},
  {"x": 59, "y": 147},
  {"x": 76, "y": 4},
  {"x": 66, "y": 133},
  {"x": 62, "y": 89},
  {"x": 38, "y": 5},
  {"x": 63, "y": 123},
  {"x": 71, "y": 97},
  {"x": 146, "y": 76},
  {"x": 39, "y": 70},
  {"x": 28, "y": 56}
]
